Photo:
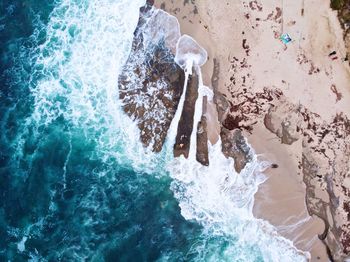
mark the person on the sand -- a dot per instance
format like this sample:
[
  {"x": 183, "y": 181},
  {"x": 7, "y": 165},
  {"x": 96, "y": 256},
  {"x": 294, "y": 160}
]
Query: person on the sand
[{"x": 333, "y": 55}]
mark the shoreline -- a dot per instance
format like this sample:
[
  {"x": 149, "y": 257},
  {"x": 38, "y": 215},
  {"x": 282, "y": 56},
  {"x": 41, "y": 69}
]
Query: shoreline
[{"x": 246, "y": 49}]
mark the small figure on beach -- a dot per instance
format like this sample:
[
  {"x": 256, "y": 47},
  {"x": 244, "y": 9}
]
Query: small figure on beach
[
  {"x": 274, "y": 166},
  {"x": 333, "y": 55}
]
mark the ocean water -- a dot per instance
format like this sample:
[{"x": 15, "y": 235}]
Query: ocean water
[{"x": 75, "y": 182}]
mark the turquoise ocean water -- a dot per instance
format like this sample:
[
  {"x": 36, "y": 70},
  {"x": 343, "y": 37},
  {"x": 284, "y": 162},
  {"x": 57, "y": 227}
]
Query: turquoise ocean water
[
  {"x": 68, "y": 190},
  {"x": 75, "y": 182}
]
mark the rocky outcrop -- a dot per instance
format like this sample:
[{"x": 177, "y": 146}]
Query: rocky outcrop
[
  {"x": 234, "y": 145},
  {"x": 185, "y": 127},
  {"x": 326, "y": 173},
  {"x": 202, "y": 142},
  {"x": 150, "y": 85},
  {"x": 202, "y": 138}
]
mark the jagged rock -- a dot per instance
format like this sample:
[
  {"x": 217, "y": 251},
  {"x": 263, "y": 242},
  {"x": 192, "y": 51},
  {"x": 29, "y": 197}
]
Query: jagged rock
[
  {"x": 234, "y": 145},
  {"x": 185, "y": 127},
  {"x": 222, "y": 106},
  {"x": 202, "y": 154},
  {"x": 202, "y": 142},
  {"x": 151, "y": 84}
]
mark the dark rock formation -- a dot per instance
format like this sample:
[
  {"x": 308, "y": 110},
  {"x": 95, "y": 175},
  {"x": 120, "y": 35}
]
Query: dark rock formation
[
  {"x": 202, "y": 138},
  {"x": 222, "y": 106},
  {"x": 234, "y": 145},
  {"x": 233, "y": 142},
  {"x": 185, "y": 127},
  {"x": 150, "y": 86}
]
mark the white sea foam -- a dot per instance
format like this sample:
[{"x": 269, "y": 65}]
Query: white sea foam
[
  {"x": 21, "y": 246},
  {"x": 189, "y": 53},
  {"x": 87, "y": 44},
  {"x": 161, "y": 25},
  {"x": 217, "y": 196}
]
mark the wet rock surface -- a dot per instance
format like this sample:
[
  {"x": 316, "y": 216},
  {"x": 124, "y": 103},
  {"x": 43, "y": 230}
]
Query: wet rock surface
[
  {"x": 185, "y": 127},
  {"x": 202, "y": 142},
  {"x": 234, "y": 145},
  {"x": 233, "y": 142},
  {"x": 202, "y": 138},
  {"x": 150, "y": 86}
]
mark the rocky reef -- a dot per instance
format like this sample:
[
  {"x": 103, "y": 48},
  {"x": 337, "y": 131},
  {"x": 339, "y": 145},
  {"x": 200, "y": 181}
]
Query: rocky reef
[
  {"x": 150, "y": 85},
  {"x": 185, "y": 127},
  {"x": 234, "y": 144},
  {"x": 202, "y": 138}
]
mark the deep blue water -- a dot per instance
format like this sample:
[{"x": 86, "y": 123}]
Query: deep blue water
[{"x": 59, "y": 195}]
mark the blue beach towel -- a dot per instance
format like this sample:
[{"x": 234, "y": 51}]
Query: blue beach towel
[{"x": 285, "y": 38}]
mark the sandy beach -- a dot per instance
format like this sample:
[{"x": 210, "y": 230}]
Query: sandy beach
[{"x": 271, "y": 84}]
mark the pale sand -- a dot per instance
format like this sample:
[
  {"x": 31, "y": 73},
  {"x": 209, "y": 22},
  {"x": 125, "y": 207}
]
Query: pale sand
[
  {"x": 281, "y": 199},
  {"x": 219, "y": 27}
]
